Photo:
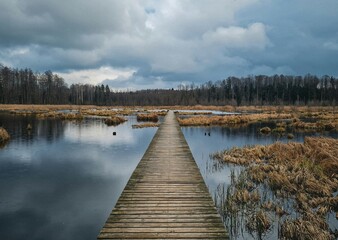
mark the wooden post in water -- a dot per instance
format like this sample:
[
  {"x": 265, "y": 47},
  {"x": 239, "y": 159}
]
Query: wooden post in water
[{"x": 166, "y": 196}]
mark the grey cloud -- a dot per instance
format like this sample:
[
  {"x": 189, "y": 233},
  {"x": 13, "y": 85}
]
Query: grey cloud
[
  {"x": 70, "y": 24},
  {"x": 171, "y": 41}
]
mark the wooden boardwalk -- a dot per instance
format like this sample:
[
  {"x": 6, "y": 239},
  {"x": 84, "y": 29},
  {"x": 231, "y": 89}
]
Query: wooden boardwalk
[{"x": 166, "y": 197}]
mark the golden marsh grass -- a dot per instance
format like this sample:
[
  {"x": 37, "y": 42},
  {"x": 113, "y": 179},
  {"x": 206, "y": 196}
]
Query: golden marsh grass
[
  {"x": 4, "y": 136},
  {"x": 306, "y": 173},
  {"x": 114, "y": 120}
]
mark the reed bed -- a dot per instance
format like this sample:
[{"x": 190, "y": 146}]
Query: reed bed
[
  {"x": 230, "y": 119},
  {"x": 193, "y": 113},
  {"x": 114, "y": 120},
  {"x": 59, "y": 115},
  {"x": 145, "y": 125},
  {"x": 304, "y": 110},
  {"x": 265, "y": 130},
  {"x": 326, "y": 125},
  {"x": 4, "y": 136},
  {"x": 304, "y": 173},
  {"x": 106, "y": 112},
  {"x": 152, "y": 117}
]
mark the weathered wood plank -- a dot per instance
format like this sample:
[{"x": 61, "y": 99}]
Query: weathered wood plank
[{"x": 166, "y": 197}]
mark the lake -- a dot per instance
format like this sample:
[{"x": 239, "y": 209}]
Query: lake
[{"x": 61, "y": 179}]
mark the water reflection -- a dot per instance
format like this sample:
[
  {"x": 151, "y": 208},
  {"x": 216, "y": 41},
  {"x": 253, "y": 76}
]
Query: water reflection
[
  {"x": 218, "y": 176},
  {"x": 61, "y": 179}
]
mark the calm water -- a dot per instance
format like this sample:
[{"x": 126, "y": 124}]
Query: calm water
[
  {"x": 217, "y": 175},
  {"x": 62, "y": 179}
]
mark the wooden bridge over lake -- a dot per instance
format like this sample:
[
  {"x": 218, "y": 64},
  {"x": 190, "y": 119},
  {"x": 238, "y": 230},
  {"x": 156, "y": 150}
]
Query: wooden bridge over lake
[{"x": 166, "y": 196}]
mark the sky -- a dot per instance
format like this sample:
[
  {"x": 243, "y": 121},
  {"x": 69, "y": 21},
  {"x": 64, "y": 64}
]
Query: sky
[{"x": 142, "y": 44}]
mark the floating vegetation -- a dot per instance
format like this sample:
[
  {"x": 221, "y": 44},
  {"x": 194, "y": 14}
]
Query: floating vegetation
[
  {"x": 265, "y": 130},
  {"x": 301, "y": 180},
  {"x": 161, "y": 113},
  {"x": 259, "y": 222},
  {"x": 60, "y": 115},
  {"x": 99, "y": 112},
  {"x": 324, "y": 123},
  {"x": 23, "y": 112},
  {"x": 114, "y": 120},
  {"x": 145, "y": 125},
  {"x": 290, "y": 136},
  {"x": 278, "y": 130},
  {"x": 307, "y": 227},
  {"x": 4, "y": 136},
  {"x": 108, "y": 112},
  {"x": 193, "y": 113},
  {"x": 153, "y": 117}
]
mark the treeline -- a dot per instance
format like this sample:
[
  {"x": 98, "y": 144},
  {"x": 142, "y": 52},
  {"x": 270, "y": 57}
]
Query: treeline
[{"x": 23, "y": 86}]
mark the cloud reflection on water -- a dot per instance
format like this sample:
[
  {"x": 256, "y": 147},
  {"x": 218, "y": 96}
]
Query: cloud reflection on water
[{"x": 62, "y": 180}]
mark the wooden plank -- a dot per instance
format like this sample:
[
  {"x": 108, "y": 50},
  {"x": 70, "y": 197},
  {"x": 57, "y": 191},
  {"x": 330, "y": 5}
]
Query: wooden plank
[
  {"x": 168, "y": 235},
  {"x": 166, "y": 197}
]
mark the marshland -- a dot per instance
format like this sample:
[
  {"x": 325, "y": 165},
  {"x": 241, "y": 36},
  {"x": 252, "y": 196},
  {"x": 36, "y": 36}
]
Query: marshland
[{"x": 246, "y": 156}]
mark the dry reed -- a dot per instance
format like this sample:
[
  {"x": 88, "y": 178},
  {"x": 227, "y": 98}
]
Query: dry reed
[
  {"x": 114, "y": 120},
  {"x": 265, "y": 130},
  {"x": 60, "y": 115},
  {"x": 229, "y": 119},
  {"x": 153, "y": 117},
  {"x": 145, "y": 125},
  {"x": 4, "y": 136},
  {"x": 305, "y": 172}
]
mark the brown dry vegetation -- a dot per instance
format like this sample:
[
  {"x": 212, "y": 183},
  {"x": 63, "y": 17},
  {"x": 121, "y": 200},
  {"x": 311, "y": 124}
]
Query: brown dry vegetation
[
  {"x": 59, "y": 115},
  {"x": 305, "y": 172},
  {"x": 304, "y": 110},
  {"x": 108, "y": 112},
  {"x": 193, "y": 113},
  {"x": 4, "y": 136},
  {"x": 145, "y": 125},
  {"x": 230, "y": 119},
  {"x": 153, "y": 117},
  {"x": 265, "y": 130},
  {"x": 114, "y": 120},
  {"x": 327, "y": 124}
]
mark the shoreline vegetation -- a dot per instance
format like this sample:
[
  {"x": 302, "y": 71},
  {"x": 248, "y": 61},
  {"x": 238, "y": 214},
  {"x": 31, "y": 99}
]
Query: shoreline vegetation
[
  {"x": 4, "y": 136},
  {"x": 297, "y": 118},
  {"x": 302, "y": 175},
  {"x": 151, "y": 117},
  {"x": 295, "y": 184},
  {"x": 114, "y": 120},
  {"x": 145, "y": 125},
  {"x": 303, "y": 111}
]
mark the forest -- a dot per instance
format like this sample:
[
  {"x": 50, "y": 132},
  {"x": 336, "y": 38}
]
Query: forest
[{"x": 23, "y": 86}]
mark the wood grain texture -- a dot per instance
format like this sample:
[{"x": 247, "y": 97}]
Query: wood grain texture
[{"x": 166, "y": 196}]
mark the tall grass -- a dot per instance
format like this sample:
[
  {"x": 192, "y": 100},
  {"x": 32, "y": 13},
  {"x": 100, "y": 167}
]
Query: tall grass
[
  {"x": 229, "y": 119},
  {"x": 59, "y": 115},
  {"x": 303, "y": 173},
  {"x": 145, "y": 125},
  {"x": 114, "y": 120},
  {"x": 152, "y": 117},
  {"x": 4, "y": 136}
]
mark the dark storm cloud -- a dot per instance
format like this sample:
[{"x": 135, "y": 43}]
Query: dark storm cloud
[{"x": 162, "y": 43}]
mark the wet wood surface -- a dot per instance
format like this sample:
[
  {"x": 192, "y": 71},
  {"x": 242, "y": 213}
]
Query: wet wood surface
[{"x": 166, "y": 196}]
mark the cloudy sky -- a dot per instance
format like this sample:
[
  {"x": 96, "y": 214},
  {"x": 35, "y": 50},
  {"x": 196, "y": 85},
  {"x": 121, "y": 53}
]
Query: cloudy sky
[{"x": 162, "y": 43}]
